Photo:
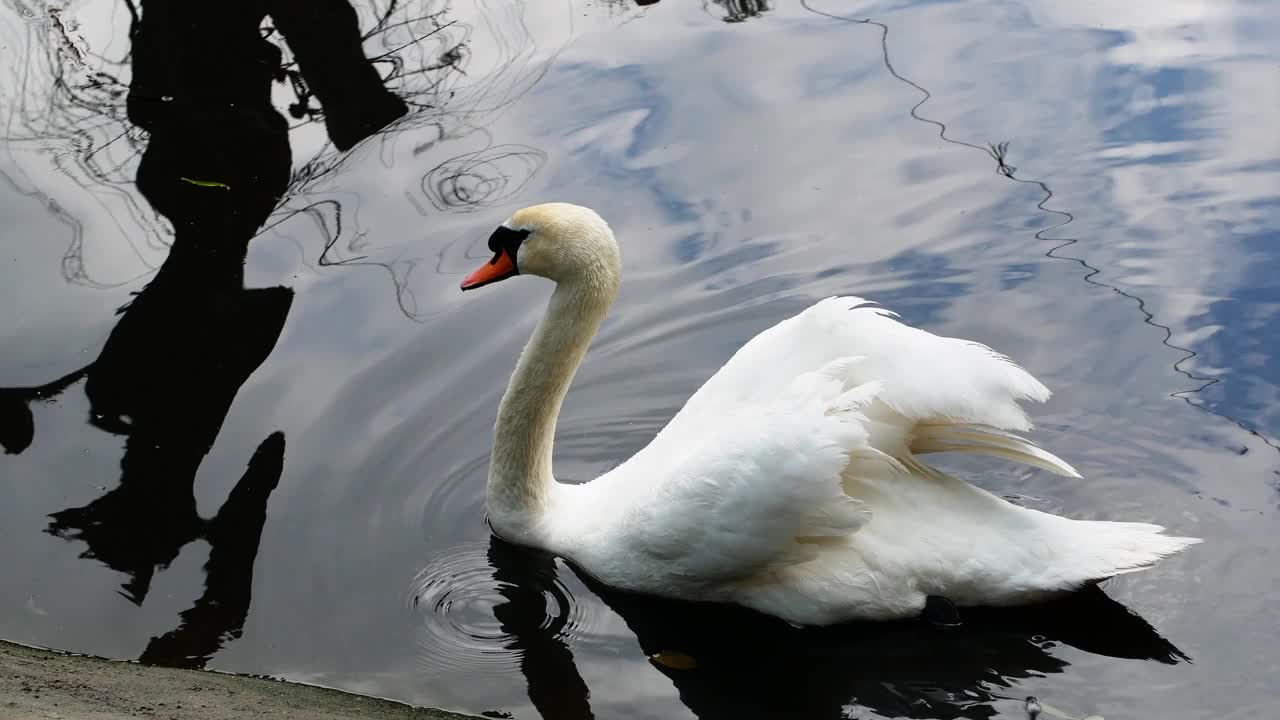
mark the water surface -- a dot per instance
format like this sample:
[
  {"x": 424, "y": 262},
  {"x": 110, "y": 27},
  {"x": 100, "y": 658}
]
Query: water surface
[{"x": 283, "y": 472}]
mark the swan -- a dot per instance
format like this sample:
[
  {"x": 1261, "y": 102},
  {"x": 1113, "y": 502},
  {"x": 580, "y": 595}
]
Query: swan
[{"x": 791, "y": 482}]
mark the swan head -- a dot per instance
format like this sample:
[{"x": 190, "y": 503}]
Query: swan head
[{"x": 559, "y": 241}]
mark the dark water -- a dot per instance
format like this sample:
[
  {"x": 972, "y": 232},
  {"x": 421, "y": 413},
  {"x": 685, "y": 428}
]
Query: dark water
[{"x": 282, "y": 472}]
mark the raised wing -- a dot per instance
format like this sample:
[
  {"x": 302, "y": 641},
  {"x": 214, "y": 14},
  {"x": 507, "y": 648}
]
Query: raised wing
[{"x": 953, "y": 391}]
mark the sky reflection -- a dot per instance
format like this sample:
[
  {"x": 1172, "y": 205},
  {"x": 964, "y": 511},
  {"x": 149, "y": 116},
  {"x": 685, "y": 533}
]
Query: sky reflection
[{"x": 749, "y": 167}]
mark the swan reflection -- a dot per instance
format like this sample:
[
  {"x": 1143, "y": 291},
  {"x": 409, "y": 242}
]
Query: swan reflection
[{"x": 729, "y": 662}]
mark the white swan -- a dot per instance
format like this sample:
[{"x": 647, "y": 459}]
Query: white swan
[{"x": 790, "y": 482}]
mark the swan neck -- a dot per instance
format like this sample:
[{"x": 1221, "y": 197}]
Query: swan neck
[{"x": 520, "y": 475}]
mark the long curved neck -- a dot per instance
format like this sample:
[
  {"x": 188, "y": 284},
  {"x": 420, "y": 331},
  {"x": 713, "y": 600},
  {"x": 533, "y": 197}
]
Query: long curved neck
[{"x": 520, "y": 478}]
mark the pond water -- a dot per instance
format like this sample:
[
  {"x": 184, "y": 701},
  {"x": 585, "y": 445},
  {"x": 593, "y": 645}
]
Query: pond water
[{"x": 283, "y": 473}]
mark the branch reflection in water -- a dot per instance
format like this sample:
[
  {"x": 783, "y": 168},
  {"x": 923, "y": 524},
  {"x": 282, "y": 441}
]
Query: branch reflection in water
[
  {"x": 197, "y": 133},
  {"x": 418, "y": 80},
  {"x": 216, "y": 164}
]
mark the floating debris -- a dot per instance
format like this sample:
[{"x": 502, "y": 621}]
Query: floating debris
[
  {"x": 674, "y": 659},
  {"x": 1034, "y": 707},
  {"x": 207, "y": 183}
]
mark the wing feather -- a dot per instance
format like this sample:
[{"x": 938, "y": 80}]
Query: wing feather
[
  {"x": 745, "y": 494},
  {"x": 755, "y": 462}
]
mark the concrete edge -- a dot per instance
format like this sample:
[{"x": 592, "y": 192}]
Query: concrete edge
[{"x": 42, "y": 684}]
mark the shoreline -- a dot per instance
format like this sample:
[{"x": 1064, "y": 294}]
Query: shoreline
[{"x": 40, "y": 684}]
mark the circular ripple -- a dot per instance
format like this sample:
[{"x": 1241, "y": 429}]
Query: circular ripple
[
  {"x": 483, "y": 178},
  {"x": 484, "y": 604},
  {"x": 453, "y": 506}
]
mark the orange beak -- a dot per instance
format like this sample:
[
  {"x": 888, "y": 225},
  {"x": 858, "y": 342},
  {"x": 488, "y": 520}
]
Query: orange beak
[{"x": 500, "y": 267}]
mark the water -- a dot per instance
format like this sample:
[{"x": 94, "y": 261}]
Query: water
[{"x": 752, "y": 157}]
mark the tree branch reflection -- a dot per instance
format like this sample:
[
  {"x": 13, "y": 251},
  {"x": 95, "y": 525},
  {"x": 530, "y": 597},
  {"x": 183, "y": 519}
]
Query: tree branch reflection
[{"x": 215, "y": 163}]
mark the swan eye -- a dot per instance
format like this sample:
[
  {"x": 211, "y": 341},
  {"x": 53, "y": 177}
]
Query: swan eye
[{"x": 504, "y": 238}]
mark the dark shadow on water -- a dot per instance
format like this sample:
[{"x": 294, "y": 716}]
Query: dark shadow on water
[
  {"x": 216, "y": 163},
  {"x": 729, "y": 662},
  {"x": 556, "y": 688},
  {"x": 746, "y": 665}
]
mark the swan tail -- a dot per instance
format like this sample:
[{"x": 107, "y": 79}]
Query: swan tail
[
  {"x": 985, "y": 440},
  {"x": 1094, "y": 550}
]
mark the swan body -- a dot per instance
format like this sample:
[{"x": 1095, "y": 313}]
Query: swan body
[{"x": 791, "y": 482}]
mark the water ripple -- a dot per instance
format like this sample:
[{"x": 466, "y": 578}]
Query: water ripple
[{"x": 481, "y": 613}]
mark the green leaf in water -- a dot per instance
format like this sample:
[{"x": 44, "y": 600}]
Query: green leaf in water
[{"x": 207, "y": 183}]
